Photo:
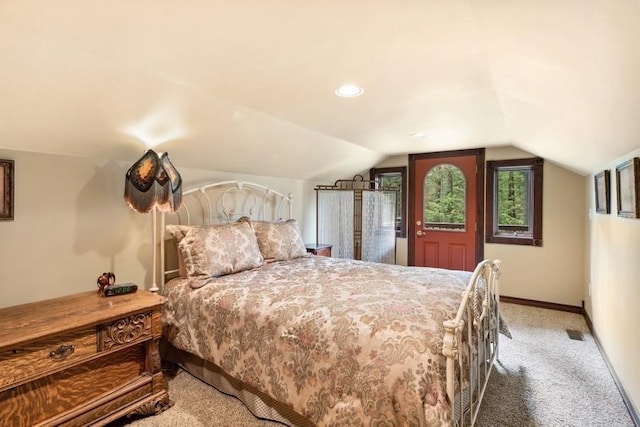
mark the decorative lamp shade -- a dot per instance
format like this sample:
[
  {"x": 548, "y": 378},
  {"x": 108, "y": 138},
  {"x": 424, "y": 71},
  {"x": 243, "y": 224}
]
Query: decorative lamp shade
[{"x": 152, "y": 182}]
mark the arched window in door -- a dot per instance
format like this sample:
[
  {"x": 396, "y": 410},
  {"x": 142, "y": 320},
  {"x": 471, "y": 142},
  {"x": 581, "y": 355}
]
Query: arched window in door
[{"x": 444, "y": 192}]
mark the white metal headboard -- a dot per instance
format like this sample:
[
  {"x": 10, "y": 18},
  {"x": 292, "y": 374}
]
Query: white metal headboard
[{"x": 221, "y": 202}]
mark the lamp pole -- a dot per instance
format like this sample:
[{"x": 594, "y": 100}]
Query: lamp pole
[{"x": 154, "y": 244}]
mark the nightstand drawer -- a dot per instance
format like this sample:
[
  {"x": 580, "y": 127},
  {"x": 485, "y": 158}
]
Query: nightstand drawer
[
  {"x": 78, "y": 386},
  {"x": 46, "y": 355}
]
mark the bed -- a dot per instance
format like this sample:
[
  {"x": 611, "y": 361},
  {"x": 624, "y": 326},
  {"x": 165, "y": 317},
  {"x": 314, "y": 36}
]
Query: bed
[{"x": 309, "y": 340}]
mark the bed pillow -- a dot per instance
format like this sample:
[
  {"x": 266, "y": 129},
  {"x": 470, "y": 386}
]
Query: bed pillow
[
  {"x": 211, "y": 251},
  {"x": 279, "y": 240}
]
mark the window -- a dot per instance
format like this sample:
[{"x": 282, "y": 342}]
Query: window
[
  {"x": 395, "y": 177},
  {"x": 444, "y": 198},
  {"x": 514, "y": 201}
]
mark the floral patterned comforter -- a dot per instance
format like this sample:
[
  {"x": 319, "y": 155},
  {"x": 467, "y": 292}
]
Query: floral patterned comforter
[{"x": 342, "y": 342}]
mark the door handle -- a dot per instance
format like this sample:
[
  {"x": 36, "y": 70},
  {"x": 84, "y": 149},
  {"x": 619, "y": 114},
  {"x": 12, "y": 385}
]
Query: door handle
[{"x": 420, "y": 233}]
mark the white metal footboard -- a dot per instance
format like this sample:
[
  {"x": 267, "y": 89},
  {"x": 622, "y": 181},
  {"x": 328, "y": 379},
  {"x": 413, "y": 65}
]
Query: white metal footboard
[{"x": 471, "y": 343}]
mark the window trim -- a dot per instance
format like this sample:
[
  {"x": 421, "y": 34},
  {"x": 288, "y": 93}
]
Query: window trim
[
  {"x": 402, "y": 170},
  {"x": 536, "y": 164}
]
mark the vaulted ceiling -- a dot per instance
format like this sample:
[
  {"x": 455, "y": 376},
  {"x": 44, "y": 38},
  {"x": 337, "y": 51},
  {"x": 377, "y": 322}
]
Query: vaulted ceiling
[{"x": 248, "y": 86}]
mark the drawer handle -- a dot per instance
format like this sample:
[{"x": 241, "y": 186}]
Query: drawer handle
[{"x": 62, "y": 352}]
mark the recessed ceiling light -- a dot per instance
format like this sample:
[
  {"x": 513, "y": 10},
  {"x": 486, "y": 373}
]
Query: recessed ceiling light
[
  {"x": 421, "y": 134},
  {"x": 349, "y": 91}
]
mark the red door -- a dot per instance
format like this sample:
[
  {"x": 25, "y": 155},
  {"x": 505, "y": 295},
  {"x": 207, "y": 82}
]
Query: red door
[{"x": 447, "y": 205}]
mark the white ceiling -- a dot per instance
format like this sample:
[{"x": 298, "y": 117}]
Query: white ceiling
[{"x": 247, "y": 86}]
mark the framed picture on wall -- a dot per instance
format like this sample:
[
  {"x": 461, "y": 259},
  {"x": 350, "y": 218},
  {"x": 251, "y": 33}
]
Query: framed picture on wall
[
  {"x": 6, "y": 189},
  {"x": 603, "y": 196},
  {"x": 628, "y": 188}
]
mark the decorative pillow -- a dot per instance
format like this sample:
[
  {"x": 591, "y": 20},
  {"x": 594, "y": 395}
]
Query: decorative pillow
[
  {"x": 279, "y": 240},
  {"x": 216, "y": 250}
]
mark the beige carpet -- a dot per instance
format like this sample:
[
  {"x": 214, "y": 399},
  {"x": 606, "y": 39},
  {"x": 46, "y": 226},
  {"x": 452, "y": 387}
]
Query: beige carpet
[
  {"x": 543, "y": 379},
  {"x": 546, "y": 379}
]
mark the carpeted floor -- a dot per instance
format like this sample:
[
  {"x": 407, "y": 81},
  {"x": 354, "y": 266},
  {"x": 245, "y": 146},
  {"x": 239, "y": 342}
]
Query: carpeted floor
[{"x": 543, "y": 378}]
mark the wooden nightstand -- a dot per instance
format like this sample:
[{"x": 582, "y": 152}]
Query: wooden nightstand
[
  {"x": 320, "y": 249},
  {"x": 81, "y": 359}
]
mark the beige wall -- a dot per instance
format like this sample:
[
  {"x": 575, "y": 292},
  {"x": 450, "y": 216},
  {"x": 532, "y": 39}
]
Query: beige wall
[
  {"x": 612, "y": 289},
  {"x": 71, "y": 224},
  {"x": 555, "y": 271}
]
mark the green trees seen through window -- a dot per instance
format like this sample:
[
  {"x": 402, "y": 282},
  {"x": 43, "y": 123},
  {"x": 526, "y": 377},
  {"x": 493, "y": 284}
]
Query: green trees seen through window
[
  {"x": 513, "y": 197},
  {"x": 444, "y": 197}
]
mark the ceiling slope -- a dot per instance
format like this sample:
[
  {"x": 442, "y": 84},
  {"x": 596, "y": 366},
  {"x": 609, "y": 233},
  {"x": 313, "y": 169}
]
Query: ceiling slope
[{"x": 247, "y": 86}]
